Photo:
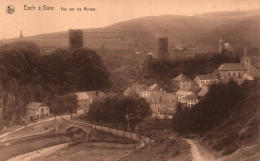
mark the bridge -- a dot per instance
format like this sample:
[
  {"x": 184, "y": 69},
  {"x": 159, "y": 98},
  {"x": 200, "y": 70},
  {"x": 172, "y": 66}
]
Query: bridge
[{"x": 87, "y": 127}]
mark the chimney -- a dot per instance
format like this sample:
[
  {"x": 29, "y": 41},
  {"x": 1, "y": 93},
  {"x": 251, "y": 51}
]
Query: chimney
[
  {"x": 163, "y": 52},
  {"x": 75, "y": 38}
]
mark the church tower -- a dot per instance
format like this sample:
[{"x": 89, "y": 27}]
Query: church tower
[
  {"x": 221, "y": 46},
  {"x": 245, "y": 60},
  {"x": 21, "y": 34}
]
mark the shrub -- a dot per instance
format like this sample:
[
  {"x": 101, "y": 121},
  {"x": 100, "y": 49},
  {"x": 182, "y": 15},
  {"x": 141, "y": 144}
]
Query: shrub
[{"x": 229, "y": 150}]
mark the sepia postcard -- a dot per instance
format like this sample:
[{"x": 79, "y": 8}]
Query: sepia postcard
[{"x": 129, "y": 80}]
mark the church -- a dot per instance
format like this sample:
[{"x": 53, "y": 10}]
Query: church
[{"x": 238, "y": 71}]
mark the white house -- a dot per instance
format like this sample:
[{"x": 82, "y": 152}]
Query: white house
[
  {"x": 83, "y": 102},
  {"x": 36, "y": 110},
  {"x": 191, "y": 100},
  {"x": 206, "y": 80}
]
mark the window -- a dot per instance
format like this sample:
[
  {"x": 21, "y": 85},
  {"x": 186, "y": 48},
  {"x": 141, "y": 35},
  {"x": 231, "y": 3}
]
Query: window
[
  {"x": 183, "y": 85},
  {"x": 229, "y": 74},
  {"x": 239, "y": 75},
  {"x": 42, "y": 110},
  {"x": 234, "y": 74}
]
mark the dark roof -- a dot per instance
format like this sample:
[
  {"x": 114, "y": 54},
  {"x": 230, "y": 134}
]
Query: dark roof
[
  {"x": 181, "y": 77},
  {"x": 191, "y": 97},
  {"x": 94, "y": 94},
  {"x": 34, "y": 105},
  {"x": 203, "y": 92},
  {"x": 195, "y": 89},
  {"x": 207, "y": 77},
  {"x": 184, "y": 93},
  {"x": 232, "y": 67},
  {"x": 163, "y": 97}
]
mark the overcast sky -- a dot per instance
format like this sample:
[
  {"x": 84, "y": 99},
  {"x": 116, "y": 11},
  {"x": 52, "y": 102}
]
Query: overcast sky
[{"x": 107, "y": 12}]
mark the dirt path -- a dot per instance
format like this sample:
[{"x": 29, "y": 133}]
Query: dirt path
[{"x": 196, "y": 152}]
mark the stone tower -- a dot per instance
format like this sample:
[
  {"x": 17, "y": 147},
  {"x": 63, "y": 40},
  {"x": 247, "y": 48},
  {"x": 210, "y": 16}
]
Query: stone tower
[
  {"x": 21, "y": 34},
  {"x": 163, "y": 52},
  {"x": 245, "y": 60},
  {"x": 221, "y": 46},
  {"x": 75, "y": 38}
]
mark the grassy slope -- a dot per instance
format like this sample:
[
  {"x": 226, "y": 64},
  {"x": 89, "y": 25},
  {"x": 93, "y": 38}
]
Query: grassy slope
[
  {"x": 163, "y": 150},
  {"x": 240, "y": 133}
]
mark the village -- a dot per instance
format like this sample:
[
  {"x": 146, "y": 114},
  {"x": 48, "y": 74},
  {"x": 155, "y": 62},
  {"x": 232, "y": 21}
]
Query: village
[{"x": 186, "y": 91}]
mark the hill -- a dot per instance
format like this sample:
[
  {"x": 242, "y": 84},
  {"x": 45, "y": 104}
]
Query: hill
[
  {"x": 227, "y": 120},
  {"x": 201, "y": 32}
]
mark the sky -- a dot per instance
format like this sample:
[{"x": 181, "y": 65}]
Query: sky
[{"x": 107, "y": 12}]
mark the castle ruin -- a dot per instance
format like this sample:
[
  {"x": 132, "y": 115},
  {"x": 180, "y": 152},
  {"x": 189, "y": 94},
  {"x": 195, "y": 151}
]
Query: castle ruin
[
  {"x": 75, "y": 38},
  {"x": 163, "y": 52}
]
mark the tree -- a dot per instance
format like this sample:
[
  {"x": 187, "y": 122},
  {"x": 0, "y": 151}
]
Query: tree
[
  {"x": 217, "y": 106},
  {"x": 120, "y": 109},
  {"x": 64, "y": 104}
]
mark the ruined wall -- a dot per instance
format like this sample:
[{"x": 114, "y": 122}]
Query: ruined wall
[
  {"x": 75, "y": 38},
  {"x": 163, "y": 52}
]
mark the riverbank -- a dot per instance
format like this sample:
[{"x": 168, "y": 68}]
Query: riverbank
[
  {"x": 86, "y": 151},
  {"x": 22, "y": 146}
]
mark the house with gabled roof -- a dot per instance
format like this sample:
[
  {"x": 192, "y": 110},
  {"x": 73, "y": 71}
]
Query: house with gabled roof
[
  {"x": 191, "y": 100},
  {"x": 206, "y": 80},
  {"x": 95, "y": 94},
  {"x": 36, "y": 110},
  {"x": 182, "y": 82},
  {"x": 84, "y": 99},
  {"x": 155, "y": 89},
  {"x": 83, "y": 102},
  {"x": 143, "y": 90},
  {"x": 187, "y": 98},
  {"x": 162, "y": 103}
]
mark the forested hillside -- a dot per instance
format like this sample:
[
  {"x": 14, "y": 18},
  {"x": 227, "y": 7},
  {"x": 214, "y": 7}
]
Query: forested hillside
[
  {"x": 226, "y": 120},
  {"x": 27, "y": 76}
]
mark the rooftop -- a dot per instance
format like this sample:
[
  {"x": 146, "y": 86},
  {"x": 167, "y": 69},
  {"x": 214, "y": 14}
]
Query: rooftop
[
  {"x": 232, "y": 67},
  {"x": 155, "y": 87},
  {"x": 207, "y": 77},
  {"x": 34, "y": 105},
  {"x": 181, "y": 77},
  {"x": 180, "y": 92},
  {"x": 203, "y": 92},
  {"x": 93, "y": 94},
  {"x": 191, "y": 97},
  {"x": 82, "y": 95}
]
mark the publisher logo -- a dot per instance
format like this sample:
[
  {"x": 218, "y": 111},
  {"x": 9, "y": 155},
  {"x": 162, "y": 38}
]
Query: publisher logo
[{"x": 10, "y": 9}]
